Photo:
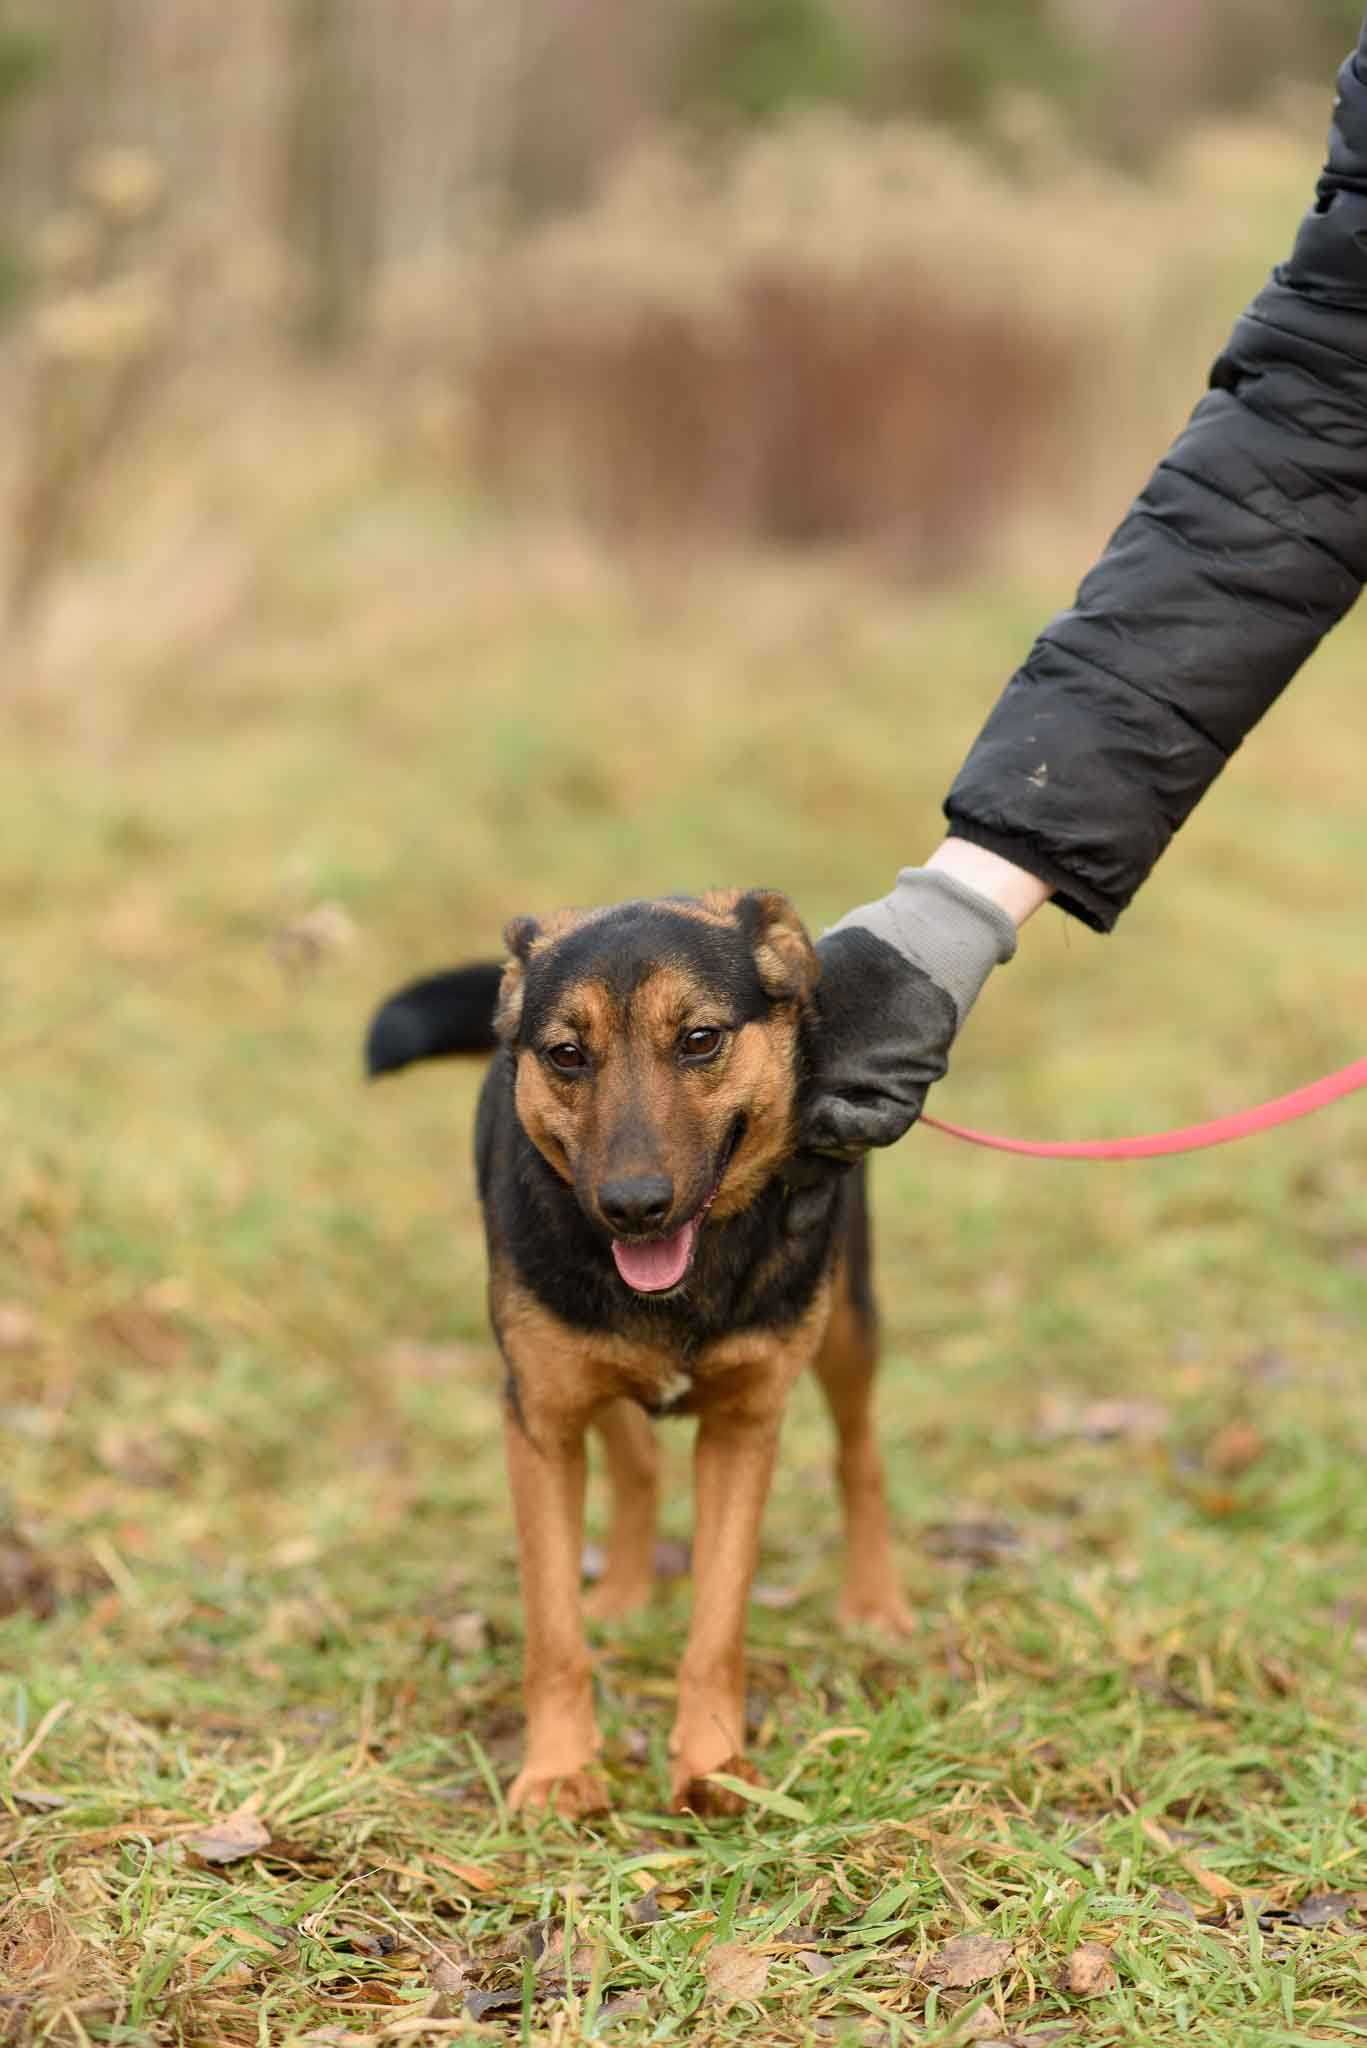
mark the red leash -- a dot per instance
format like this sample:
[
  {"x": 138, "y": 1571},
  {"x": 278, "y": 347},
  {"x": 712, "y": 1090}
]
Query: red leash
[{"x": 1223, "y": 1130}]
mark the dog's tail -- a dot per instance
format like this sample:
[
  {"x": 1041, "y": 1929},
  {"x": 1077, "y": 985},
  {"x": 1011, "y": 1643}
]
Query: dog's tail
[{"x": 435, "y": 1018}]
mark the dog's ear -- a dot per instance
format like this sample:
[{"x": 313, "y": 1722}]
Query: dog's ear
[
  {"x": 784, "y": 956},
  {"x": 435, "y": 1018},
  {"x": 519, "y": 936}
]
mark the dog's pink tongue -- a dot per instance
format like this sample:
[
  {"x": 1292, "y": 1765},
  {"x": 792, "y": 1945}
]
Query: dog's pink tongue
[{"x": 650, "y": 1268}]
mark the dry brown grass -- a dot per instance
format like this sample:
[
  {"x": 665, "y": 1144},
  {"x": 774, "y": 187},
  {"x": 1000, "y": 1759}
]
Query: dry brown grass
[
  {"x": 853, "y": 334},
  {"x": 842, "y": 335},
  {"x": 91, "y": 350}
]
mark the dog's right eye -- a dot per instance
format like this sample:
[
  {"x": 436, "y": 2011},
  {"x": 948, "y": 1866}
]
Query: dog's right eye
[{"x": 566, "y": 1059}]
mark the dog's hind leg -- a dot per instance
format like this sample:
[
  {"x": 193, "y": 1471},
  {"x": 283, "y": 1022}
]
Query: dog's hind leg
[
  {"x": 633, "y": 1459},
  {"x": 845, "y": 1366}
]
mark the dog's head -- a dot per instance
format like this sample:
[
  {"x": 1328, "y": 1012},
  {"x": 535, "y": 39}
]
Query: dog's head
[{"x": 658, "y": 1054}]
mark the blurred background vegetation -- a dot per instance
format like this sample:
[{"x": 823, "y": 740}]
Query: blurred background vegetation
[
  {"x": 786, "y": 272},
  {"x": 465, "y": 456}
]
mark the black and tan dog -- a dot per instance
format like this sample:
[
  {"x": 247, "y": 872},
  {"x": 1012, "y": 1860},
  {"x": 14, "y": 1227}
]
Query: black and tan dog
[{"x": 646, "y": 1259}]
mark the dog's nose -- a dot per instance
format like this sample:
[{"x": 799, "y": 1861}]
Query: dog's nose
[{"x": 636, "y": 1202}]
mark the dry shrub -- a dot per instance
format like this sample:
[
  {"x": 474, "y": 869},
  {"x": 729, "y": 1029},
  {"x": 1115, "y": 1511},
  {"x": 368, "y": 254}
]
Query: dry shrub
[
  {"x": 846, "y": 333},
  {"x": 819, "y": 414},
  {"x": 777, "y": 352}
]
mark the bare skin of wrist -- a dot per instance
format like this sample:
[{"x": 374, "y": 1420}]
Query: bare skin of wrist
[{"x": 1012, "y": 889}]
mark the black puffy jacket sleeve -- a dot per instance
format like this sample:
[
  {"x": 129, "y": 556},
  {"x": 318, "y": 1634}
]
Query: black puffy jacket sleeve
[{"x": 1248, "y": 544}]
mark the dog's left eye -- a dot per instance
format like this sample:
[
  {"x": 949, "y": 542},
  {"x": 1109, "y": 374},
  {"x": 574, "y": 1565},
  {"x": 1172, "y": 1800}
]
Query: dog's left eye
[{"x": 702, "y": 1044}]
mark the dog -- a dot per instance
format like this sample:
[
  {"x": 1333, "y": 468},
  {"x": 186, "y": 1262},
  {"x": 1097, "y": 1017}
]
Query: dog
[{"x": 648, "y": 1256}]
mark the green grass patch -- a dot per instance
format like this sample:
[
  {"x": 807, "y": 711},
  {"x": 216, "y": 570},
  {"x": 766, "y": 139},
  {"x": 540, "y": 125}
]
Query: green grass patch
[{"x": 257, "y": 1545}]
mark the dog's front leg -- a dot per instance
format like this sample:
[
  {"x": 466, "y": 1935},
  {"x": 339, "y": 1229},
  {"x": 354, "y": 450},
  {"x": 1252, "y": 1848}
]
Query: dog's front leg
[
  {"x": 733, "y": 1466},
  {"x": 547, "y": 1476}
]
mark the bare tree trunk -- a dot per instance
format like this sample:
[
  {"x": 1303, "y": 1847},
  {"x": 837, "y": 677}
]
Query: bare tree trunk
[{"x": 330, "y": 172}]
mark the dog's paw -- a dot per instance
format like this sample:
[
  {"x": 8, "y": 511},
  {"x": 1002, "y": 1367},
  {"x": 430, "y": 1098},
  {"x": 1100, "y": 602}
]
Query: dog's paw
[
  {"x": 574, "y": 1795},
  {"x": 698, "y": 1793},
  {"x": 883, "y": 1614}
]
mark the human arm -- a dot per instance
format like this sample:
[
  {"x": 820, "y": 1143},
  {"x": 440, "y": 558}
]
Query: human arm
[{"x": 1247, "y": 545}]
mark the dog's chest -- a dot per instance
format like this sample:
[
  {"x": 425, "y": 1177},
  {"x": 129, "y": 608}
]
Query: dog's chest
[
  {"x": 668, "y": 1381},
  {"x": 671, "y": 1393},
  {"x": 663, "y": 1377}
]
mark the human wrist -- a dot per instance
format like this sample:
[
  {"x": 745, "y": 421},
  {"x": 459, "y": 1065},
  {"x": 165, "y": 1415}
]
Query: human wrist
[
  {"x": 950, "y": 933},
  {"x": 1014, "y": 890}
]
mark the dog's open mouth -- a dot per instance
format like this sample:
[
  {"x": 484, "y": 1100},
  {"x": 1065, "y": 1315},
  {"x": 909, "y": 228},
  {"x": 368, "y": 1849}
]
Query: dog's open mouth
[{"x": 652, "y": 1265}]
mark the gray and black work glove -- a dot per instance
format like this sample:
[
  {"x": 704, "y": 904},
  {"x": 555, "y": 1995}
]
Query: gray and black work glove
[{"x": 898, "y": 978}]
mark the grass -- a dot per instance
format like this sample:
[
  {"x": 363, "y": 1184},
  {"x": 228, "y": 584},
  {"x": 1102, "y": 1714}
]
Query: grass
[{"x": 258, "y": 1539}]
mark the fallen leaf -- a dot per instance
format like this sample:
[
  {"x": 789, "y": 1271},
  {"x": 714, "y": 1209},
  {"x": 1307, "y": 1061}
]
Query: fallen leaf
[
  {"x": 982, "y": 2026},
  {"x": 477, "y": 2003},
  {"x": 734, "y": 1972},
  {"x": 448, "y": 1975},
  {"x": 814, "y": 1963},
  {"x": 968, "y": 1959},
  {"x": 515, "y": 1944},
  {"x": 18, "y": 1327},
  {"x": 1319, "y": 1909},
  {"x": 1090, "y": 1971},
  {"x": 547, "y": 1947},
  {"x": 631, "y": 2005},
  {"x": 238, "y": 1834},
  {"x": 1234, "y": 1448},
  {"x": 448, "y": 1972}
]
